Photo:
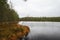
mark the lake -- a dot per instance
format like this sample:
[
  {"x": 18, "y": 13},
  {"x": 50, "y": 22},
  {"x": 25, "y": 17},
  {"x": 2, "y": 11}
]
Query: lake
[{"x": 43, "y": 30}]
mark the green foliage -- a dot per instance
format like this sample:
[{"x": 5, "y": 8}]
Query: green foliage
[
  {"x": 13, "y": 16},
  {"x": 7, "y": 14}
]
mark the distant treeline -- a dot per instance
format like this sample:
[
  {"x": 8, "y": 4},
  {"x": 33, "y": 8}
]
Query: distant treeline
[{"x": 53, "y": 19}]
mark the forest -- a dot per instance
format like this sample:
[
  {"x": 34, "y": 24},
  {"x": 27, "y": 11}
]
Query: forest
[{"x": 52, "y": 19}]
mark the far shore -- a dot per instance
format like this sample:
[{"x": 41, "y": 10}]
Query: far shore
[{"x": 41, "y": 19}]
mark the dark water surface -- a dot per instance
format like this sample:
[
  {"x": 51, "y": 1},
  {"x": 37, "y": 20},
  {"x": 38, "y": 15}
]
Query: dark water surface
[{"x": 43, "y": 30}]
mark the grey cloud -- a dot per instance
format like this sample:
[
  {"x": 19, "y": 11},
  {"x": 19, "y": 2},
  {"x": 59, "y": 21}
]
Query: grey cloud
[{"x": 37, "y": 7}]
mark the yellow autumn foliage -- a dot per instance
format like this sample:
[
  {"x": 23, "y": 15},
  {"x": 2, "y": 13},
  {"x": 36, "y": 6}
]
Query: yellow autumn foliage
[
  {"x": 13, "y": 31},
  {"x": 24, "y": 31}
]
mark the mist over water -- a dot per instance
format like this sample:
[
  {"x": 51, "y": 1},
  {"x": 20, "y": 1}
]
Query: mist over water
[{"x": 43, "y": 30}]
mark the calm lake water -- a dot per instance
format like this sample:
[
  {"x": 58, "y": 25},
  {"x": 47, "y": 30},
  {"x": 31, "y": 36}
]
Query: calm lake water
[{"x": 43, "y": 30}]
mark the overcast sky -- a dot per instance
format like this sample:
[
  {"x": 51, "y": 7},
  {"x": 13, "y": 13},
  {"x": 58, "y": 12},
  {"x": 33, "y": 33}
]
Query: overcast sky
[{"x": 37, "y": 8}]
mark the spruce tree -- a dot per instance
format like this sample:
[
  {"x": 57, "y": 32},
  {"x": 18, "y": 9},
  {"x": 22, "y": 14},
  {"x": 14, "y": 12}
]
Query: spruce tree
[{"x": 6, "y": 13}]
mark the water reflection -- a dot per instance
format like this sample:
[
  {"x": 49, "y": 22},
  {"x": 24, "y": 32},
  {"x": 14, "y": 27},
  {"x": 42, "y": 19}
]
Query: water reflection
[
  {"x": 41, "y": 38},
  {"x": 43, "y": 30}
]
